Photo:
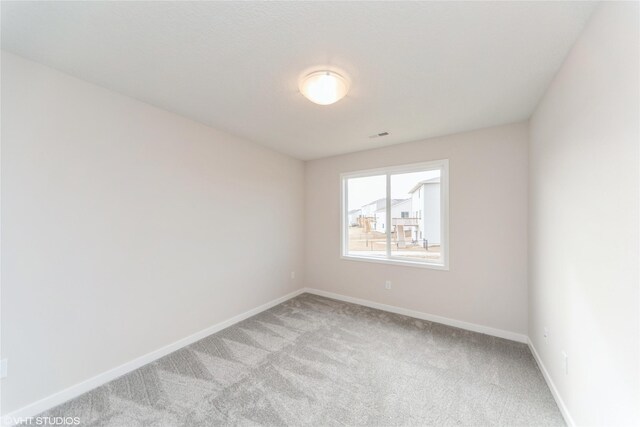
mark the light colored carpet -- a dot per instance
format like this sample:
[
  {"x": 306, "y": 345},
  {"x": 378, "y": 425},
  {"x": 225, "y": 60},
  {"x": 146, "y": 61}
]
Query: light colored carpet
[{"x": 321, "y": 362}]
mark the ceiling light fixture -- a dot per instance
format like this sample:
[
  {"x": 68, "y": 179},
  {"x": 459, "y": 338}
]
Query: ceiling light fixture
[{"x": 324, "y": 87}]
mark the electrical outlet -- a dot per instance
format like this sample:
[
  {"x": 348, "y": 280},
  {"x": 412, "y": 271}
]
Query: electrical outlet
[
  {"x": 565, "y": 362},
  {"x": 546, "y": 332},
  {"x": 3, "y": 368},
  {"x": 387, "y": 284},
  {"x": 293, "y": 275}
]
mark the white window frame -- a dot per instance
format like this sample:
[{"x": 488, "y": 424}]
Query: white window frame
[{"x": 443, "y": 167}]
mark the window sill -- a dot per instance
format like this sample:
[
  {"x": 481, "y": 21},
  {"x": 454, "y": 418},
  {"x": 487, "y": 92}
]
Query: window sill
[{"x": 396, "y": 262}]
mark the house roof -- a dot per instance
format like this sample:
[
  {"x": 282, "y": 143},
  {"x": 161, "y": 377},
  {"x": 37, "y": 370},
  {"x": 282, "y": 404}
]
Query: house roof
[
  {"x": 394, "y": 202},
  {"x": 374, "y": 202},
  {"x": 435, "y": 180},
  {"x": 379, "y": 202}
]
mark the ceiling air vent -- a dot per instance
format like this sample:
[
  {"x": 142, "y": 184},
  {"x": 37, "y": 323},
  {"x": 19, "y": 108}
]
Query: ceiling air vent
[{"x": 379, "y": 134}]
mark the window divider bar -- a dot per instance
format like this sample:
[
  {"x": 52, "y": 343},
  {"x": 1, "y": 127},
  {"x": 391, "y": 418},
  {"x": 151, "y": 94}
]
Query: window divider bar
[
  {"x": 388, "y": 214},
  {"x": 345, "y": 217}
]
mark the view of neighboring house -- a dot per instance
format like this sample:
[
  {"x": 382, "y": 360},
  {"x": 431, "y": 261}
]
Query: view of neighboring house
[
  {"x": 353, "y": 216},
  {"x": 399, "y": 209},
  {"x": 425, "y": 204},
  {"x": 415, "y": 219},
  {"x": 369, "y": 210}
]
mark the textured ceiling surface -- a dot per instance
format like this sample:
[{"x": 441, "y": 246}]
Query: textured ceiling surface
[{"x": 418, "y": 69}]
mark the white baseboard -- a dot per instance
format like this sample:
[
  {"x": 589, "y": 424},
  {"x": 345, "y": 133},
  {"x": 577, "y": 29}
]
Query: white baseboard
[
  {"x": 554, "y": 391},
  {"x": 76, "y": 390},
  {"x": 500, "y": 333}
]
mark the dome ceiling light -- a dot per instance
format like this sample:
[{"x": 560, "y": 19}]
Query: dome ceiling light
[{"x": 324, "y": 87}]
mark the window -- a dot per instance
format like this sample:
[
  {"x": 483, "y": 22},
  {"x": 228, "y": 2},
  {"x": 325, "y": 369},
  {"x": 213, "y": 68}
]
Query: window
[{"x": 397, "y": 215}]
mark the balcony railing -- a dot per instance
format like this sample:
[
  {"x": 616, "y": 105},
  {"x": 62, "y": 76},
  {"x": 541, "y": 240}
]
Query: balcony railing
[{"x": 405, "y": 221}]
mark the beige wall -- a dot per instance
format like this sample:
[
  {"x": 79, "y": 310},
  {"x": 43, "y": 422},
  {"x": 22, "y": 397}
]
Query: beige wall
[
  {"x": 125, "y": 228},
  {"x": 487, "y": 281},
  {"x": 583, "y": 283}
]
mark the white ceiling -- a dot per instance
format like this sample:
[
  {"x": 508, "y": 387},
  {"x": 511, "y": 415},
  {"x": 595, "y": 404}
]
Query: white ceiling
[{"x": 417, "y": 69}]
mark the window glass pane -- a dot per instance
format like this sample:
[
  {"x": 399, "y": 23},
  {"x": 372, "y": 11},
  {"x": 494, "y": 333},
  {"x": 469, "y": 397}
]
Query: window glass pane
[
  {"x": 366, "y": 218},
  {"x": 416, "y": 236}
]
